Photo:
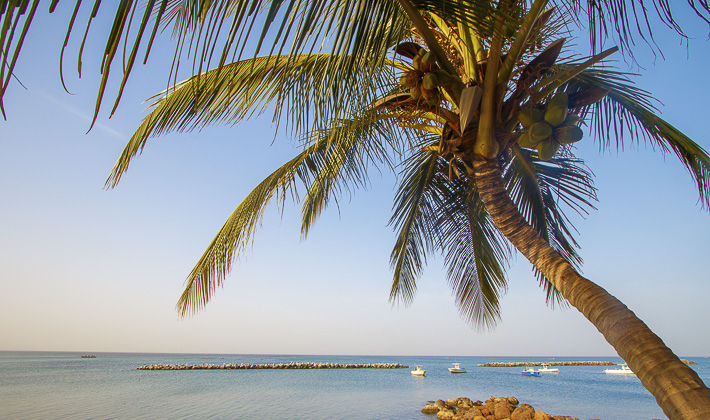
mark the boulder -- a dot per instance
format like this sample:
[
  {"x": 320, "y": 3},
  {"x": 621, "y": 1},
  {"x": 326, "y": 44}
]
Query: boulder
[
  {"x": 503, "y": 410},
  {"x": 541, "y": 415},
  {"x": 445, "y": 414},
  {"x": 430, "y": 409},
  {"x": 513, "y": 401},
  {"x": 524, "y": 412}
]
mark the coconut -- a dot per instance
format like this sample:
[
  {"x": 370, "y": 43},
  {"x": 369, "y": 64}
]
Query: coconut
[
  {"x": 428, "y": 62},
  {"x": 525, "y": 141},
  {"x": 547, "y": 149},
  {"x": 430, "y": 80},
  {"x": 529, "y": 116},
  {"x": 559, "y": 99},
  {"x": 540, "y": 131},
  {"x": 415, "y": 92},
  {"x": 568, "y": 134},
  {"x": 555, "y": 114}
]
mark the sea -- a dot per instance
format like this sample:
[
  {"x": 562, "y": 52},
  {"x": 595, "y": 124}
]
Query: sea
[{"x": 63, "y": 385}]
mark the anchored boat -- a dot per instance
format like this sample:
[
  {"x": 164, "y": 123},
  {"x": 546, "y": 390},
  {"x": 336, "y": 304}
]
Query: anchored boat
[
  {"x": 457, "y": 368},
  {"x": 419, "y": 371},
  {"x": 547, "y": 369},
  {"x": 531, "y": 372},
  {"x": 623, "y": 371}
]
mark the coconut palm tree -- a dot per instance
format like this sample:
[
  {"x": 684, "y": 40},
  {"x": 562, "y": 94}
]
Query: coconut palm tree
[{"x": 477, "y": 106}]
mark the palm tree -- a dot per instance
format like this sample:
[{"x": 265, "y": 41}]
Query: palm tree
[{"x": 478, "y": 118}]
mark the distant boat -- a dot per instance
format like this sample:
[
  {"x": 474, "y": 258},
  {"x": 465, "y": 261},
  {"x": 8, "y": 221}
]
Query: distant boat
[
  {"x": 546, "y": 369},
  {"x": 457, "y": 368},
  {"x": 530, "y": 372},
  {"x": 88, "y": 356},
  {"x": 623, "y": 371},
  {"x": 419, "y": 371}
]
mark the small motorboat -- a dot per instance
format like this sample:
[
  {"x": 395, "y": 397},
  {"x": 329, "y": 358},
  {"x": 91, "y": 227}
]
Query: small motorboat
[
  {"x": 530, "y": 372},
  {"x": 419, "y": 371},
  {"x": 457, "y": 368},
  {"x": 623, "y": 371},
  {"x": 547, "y": 369}
]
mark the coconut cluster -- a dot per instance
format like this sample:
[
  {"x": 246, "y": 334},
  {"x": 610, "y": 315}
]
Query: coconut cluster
[
  {"x": 546, "y": 130},
  {"x": 425, "y": 81}
]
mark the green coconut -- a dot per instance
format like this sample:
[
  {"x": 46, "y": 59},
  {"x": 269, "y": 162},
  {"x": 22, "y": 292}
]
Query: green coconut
[
  {"x": 417, "y": 62},
  {"x": 540, "y": 131},
  {"x": 555, "y": 114},
  {"x": 428, "y": 62},
  {"x": 559, "y": 99},
  {"x": 525, "y": 141},
  {"x": 431, "y": 81},
  {"x": 568, "y": 134},
  {"x": 547, "y": 149},
  {"x": 529, "y": 116},
  {"x": 415, "y": 92}
]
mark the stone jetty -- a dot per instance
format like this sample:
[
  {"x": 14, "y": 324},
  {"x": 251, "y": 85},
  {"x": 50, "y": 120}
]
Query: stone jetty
[
  {"x": 292, "y": 365},
  {"x": 508, "y": 408},
  {"x": 567, "y": 363}
]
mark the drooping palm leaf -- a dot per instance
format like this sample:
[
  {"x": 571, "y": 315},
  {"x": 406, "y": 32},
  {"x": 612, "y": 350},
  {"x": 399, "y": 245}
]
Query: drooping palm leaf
[
  {"x": 414, "y": 219},
  {"x": 238, "y": 91},
  {"x": 353, "y": 145},
  {"x": 628, "y": 111},
  {"x": 538, "y": 188},
  {"x": 307, "y": 167},
  {"x": 476, "y": 253}
]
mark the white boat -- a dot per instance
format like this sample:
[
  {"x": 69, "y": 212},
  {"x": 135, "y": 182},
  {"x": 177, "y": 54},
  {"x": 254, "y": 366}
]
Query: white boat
[
  {"x": 419, "y": 371},
  {"x": 546, "y": 369},
  {"x": 623, "y": 371},
  {"x": 457, "y": 368},
  {"x": 530, "y": 372}
]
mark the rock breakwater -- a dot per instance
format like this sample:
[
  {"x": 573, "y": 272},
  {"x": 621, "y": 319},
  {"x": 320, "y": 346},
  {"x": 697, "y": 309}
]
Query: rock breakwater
[
  {"x": 292, "y": 365},
  {"x": 567, "y": 363},
  {"x": 505, "y": 408}
]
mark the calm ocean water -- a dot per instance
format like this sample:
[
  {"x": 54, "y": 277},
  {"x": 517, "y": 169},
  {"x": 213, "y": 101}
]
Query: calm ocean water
[{"x": 65, "y": 386}]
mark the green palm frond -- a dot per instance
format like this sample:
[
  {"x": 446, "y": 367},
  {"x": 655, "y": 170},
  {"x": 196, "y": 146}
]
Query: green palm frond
[
  {"x": 539, "y": 188},
  {"x": 413, "y": 217},
  {"x": 353, "y": 145},
  {"x": 238, "y": 91},
  {"x": 339, "y": 153},
  {"x": 628, "y": 111},
  {"x": 476, "y": 253},
  {"x": 624, "y": 21}
]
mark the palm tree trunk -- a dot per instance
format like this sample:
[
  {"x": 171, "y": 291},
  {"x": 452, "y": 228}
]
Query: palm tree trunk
[{"x": 677, "y": 388}]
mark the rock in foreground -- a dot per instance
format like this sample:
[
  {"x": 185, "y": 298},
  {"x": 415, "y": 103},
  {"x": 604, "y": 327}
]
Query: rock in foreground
[{"x": 505, "y": 408}]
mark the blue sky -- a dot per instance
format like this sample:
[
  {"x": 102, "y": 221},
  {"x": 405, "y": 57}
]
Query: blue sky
[{"x": 92, "y": 270}]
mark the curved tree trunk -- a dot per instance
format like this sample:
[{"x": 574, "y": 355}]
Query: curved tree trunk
[{"x": 679, "y": 391}]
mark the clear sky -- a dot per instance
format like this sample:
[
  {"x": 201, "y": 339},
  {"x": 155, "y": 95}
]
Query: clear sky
[{"x": 90, "y": 270}]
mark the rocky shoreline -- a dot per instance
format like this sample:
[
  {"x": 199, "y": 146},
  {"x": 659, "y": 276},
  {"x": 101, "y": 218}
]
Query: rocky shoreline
[
  {"x": 292, "y": 365},
  {"x": 567, "y": 363},
  {"x": 505, "y": 408}
]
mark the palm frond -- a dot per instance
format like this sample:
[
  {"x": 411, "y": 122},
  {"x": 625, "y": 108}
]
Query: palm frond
[
  {"x": 237, "y": 92},
  {"x": 341, "y": 154},
  {"x": 538, "y": 188},
  {"x": 413, "y": 218},
  {"x": 625, "y": 21},
  {"x": 354, "y": 145},
  {"x": 476, "y": 253},
  {"x": 628, "y": 111}
]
